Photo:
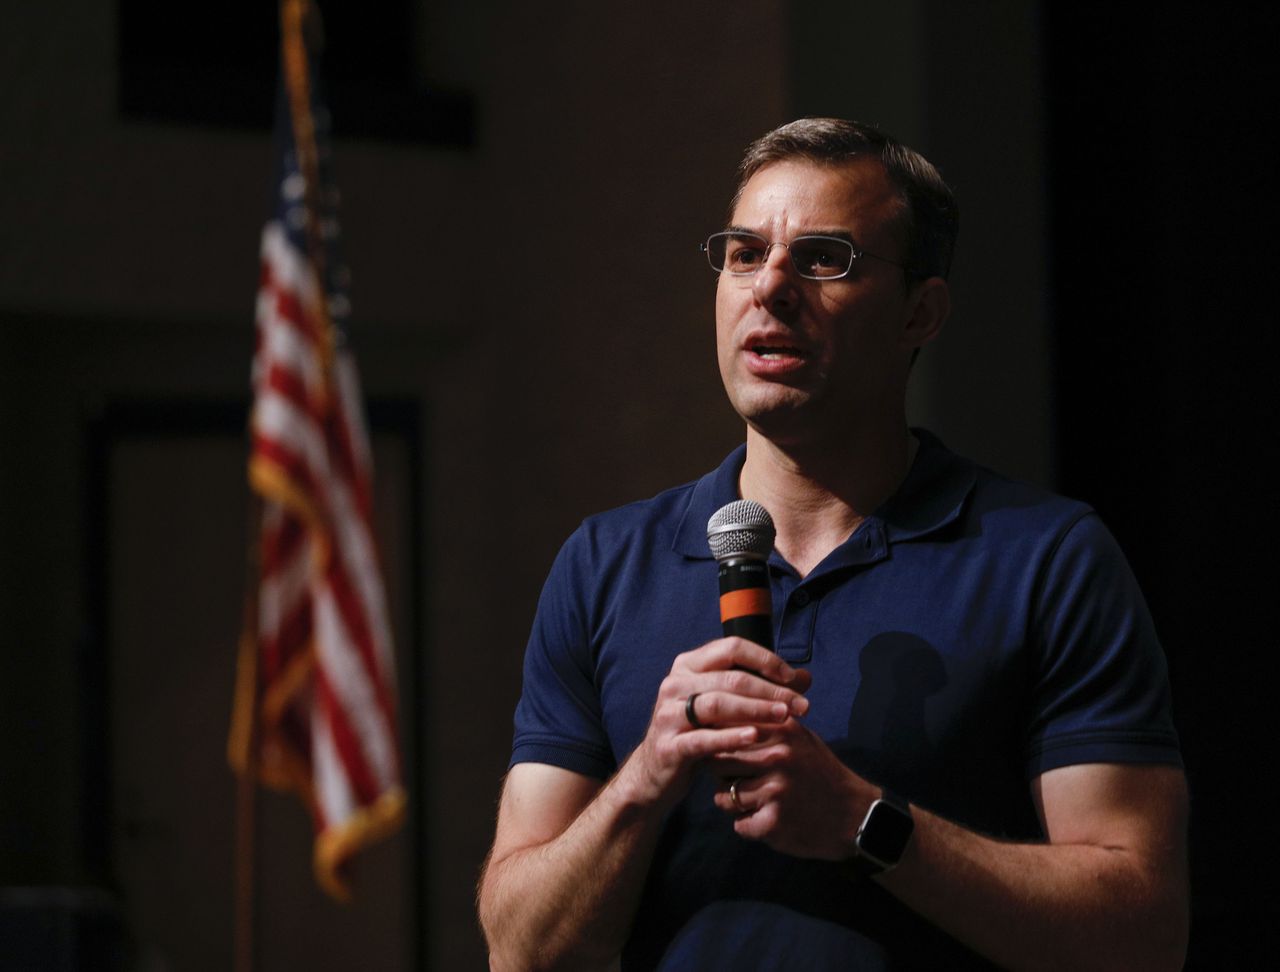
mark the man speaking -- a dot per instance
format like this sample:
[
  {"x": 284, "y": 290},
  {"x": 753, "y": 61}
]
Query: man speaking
[{"x": 957, "y": 754}]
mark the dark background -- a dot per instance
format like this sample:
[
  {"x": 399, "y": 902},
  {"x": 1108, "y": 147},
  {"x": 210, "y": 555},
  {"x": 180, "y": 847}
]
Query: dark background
[
  {"x": 1113, "y": 338},
  {"x": 1164, "y": 350}
]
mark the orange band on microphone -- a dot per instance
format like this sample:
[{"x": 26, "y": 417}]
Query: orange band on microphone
[{"x": 749, "y": 600}]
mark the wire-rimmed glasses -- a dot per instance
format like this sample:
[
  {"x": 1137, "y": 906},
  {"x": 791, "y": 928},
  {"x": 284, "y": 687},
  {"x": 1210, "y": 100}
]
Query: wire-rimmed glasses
[{"x": 741, "y": 254}]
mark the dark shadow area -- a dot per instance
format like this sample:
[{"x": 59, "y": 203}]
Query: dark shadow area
[
  {"x": 1162, "y": 226},
  {"x": 222, "y": 73},
  {"x": 899, "y": 673}
]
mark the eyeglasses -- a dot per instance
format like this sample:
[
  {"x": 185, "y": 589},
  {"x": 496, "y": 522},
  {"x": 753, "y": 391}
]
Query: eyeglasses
[{"x": 814, "y": 257}]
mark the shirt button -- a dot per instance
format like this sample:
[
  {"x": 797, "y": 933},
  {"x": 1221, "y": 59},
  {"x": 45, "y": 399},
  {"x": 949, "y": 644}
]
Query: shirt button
[{"x": 800, "y": 598}]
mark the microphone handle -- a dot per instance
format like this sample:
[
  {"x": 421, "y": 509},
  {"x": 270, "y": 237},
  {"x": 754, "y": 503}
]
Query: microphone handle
[{"x": 746, "y": 604}]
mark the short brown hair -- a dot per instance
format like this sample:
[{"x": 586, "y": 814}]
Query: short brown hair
[{"x": 932, "y": 218}]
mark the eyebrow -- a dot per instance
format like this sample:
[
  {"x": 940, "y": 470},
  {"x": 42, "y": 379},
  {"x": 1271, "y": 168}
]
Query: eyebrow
[{"x": 839, "y": 234}]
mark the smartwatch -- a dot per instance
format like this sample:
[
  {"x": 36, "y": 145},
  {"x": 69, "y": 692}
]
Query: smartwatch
[{"x": 884, "y": 834}]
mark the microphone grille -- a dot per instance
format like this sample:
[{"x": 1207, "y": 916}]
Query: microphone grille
[{"x": 742, "y": 528}]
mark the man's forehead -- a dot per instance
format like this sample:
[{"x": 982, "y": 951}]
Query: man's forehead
[{"x": 858, "y": 189}]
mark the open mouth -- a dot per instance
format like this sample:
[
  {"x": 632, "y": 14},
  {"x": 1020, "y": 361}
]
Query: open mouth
[{"x": 770, "y": 351}]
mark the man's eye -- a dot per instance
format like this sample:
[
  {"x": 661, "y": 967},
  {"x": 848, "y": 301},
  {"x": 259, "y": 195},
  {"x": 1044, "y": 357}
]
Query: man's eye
[
  {"x": 815, "y": 259},
  {"x": 744, "y": 256},
  {"x": 820, "y": 258}
]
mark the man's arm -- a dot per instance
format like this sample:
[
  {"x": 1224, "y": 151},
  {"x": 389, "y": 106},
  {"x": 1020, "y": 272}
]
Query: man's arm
[
  {"x": 570, "y": 856},
  {"x": 567, "y": 856},
  {"x": 1108, "y": 890}
]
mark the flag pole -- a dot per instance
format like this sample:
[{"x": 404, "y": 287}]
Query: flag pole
[
  {"x": 244, "y": 757},
  {"x": 299, "y": 22},
  {"x": 243, "y": 743}
]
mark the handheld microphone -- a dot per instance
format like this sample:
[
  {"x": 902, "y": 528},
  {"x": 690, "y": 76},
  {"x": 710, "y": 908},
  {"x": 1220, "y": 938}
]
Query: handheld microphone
[{"x": 740, "y": 535}]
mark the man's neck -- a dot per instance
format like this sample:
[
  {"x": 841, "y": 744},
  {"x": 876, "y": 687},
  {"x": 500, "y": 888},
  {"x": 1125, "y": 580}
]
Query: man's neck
[{"x": 818, "y": 494}]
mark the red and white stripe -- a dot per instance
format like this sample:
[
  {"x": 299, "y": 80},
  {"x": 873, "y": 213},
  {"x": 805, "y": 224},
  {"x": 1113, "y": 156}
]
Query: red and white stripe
[{"x": 326, "y": 675}]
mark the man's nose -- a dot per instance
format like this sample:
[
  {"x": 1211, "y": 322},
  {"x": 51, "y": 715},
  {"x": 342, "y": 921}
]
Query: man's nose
[{"x": 774, "y": 285}]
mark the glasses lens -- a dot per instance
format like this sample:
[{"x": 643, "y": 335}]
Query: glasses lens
[
  {"x": 736, "y": 253},
  {"x": 821, "y": 257}
]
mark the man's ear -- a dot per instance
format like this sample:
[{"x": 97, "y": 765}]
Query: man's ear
[{"x": 930, "y": 308}]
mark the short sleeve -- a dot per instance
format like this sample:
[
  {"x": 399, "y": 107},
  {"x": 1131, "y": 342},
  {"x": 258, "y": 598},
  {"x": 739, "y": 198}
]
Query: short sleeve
[
  {"x": 558, "y": 720},
  {"x": 1102, "y": 686}
]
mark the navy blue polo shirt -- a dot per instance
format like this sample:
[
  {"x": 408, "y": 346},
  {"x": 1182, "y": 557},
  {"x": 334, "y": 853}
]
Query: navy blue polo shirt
[{"x": 970, "y": 635}]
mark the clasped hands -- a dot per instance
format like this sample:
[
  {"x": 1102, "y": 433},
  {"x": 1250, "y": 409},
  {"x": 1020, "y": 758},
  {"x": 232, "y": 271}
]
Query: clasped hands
[{"x": 782, "y": 783}]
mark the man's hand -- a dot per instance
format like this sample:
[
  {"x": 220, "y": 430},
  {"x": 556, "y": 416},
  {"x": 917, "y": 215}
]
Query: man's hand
[
  {"x": 570, "y": 856},
  {"x": 740, "y": 691},
  {"x": 794, "y": 794}
]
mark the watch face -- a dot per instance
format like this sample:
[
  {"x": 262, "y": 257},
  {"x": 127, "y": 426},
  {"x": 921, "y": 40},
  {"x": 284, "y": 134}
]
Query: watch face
[{"x": 885, "y": 832}]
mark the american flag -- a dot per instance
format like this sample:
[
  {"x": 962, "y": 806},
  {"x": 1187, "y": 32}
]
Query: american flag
[{"x": 315, "y": 707}]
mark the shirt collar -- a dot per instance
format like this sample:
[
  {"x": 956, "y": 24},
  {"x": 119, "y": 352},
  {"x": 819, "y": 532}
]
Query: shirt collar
[
  {"x": 712, "y": 491},
  {"x": 932, "y": 496}
]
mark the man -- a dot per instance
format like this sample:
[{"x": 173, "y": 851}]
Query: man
[{"x": 960, "y": 753}]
